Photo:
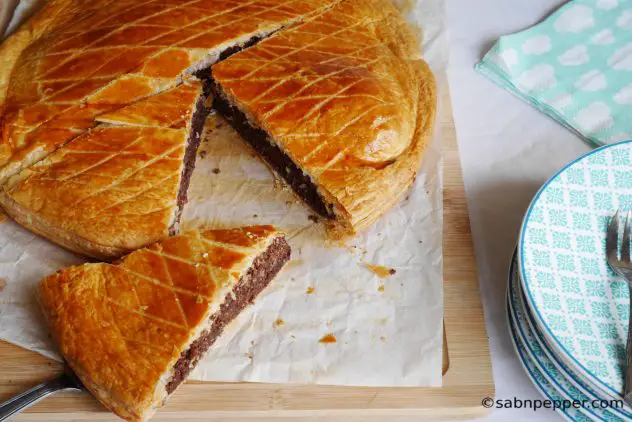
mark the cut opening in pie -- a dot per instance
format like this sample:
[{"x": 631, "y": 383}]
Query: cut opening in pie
[
  {"x": 280, "y": 162},
  {"x": 196, "y": 126}
]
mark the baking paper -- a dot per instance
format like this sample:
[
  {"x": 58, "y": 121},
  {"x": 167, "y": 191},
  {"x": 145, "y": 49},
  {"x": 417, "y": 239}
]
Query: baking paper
[{"x": 368, "y": 312}]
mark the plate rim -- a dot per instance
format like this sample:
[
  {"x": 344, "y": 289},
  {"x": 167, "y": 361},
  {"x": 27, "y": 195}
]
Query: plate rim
[
  {"x": 519, "y": 353},
  {"x": 571, "y": 378},
  {"x": 544, "y": 328}
]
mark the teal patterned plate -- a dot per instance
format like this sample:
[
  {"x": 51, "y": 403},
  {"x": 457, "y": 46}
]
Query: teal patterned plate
[
  {"x": 541, "y": 383},
  {"x": 556, "y": 372},
  {"x": 578, "y": 304}
]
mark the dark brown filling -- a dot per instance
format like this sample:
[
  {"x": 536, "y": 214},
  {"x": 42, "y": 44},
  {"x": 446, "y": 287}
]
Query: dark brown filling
[
  {"x": 280, "y": 162},
  {"x": 195, "y": 136},
  {"x": 260, "y": 273}
]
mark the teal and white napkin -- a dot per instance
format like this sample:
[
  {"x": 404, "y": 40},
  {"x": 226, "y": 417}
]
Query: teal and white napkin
[{"x": 576, "y": 66}]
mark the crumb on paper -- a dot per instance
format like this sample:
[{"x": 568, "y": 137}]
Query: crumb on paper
[
  {"x": 380, "y": 270},
  {"x": 382, "y": 338},
  {"x": 381, "y": 288},
  {"x": 292, "y": 336},
  {"x": 310, "y": 290},
  {"x": 295, "y": 263},
  {"x": 328, "y": 339},
  {"x": 216, "y": 170},
  {"x": 279, "y": 323},
  {"x": 255, "y": 216},
  {"x": 3, "y": 284},
  {"x": 203, "y": 154},
  {"x": 249, "y": 354}
]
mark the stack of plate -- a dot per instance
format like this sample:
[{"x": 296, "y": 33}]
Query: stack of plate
[{"x": 568, "y": 312}]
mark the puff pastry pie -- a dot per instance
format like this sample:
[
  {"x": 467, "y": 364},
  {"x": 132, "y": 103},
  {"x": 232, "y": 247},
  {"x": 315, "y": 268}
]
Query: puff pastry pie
[
  {"x": 332, "y": 94},
  {"x": 133, "y": 331}
]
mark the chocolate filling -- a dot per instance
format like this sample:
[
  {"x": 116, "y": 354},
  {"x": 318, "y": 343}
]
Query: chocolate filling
[
  {"x": 280, "y": 162},
  {"x": 195, "y": 136},
  {"x": 260, "y": 273}
]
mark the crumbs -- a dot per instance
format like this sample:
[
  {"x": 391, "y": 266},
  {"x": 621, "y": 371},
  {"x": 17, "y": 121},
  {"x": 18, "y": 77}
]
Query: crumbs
[
  {"x": 381, "y": 288},
  {"x": 310, "y": 290},
  {"x": 203, "y": 154},
  {"x": 216, "y": 170},
  {"x": 294, "y": 263},
  {"x": 328, "y": 339},
  {"x": 380, "y": 270},
  {"x": 279, "y": 323},
  {"x": 3, "y": 284}
]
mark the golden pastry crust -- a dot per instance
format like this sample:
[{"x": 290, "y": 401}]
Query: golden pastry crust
[
  {"x": 347, "y": 98},
  {"x": 105, "y": 193},
  {"x": 78, "y": 59},
  {"x": 121, "y": 328},
  {"x": 172, "y": 108}
]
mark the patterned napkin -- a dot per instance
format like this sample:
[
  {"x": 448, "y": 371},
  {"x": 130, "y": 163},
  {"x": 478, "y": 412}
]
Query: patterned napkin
[{"x": 576, "y": 66}]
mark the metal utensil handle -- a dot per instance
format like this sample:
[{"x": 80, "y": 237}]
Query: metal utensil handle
[{"x": 28, "y": 398}]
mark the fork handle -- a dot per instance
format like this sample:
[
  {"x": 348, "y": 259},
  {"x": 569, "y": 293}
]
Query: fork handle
[{"x": 28, "y": 398}]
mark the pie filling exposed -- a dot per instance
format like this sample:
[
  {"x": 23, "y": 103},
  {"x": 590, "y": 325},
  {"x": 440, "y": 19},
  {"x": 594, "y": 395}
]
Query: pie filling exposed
[
  {"x": 263, "y": 269},
  {"x": 193, "y": 143},
  {"x": 260, "y": 141}
]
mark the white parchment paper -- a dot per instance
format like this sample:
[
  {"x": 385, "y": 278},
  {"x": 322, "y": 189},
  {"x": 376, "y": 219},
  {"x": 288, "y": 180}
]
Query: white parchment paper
[{"x": 387, "y": 328}]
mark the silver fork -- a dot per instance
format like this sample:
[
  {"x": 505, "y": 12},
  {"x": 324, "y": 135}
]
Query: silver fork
[
  {"x": 623, "y": 267},
  {"x": 67, "y": 381}
]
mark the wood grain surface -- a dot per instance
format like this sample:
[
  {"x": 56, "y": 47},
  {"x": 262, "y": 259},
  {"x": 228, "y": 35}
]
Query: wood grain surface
[{"x": 466, "y": 382}]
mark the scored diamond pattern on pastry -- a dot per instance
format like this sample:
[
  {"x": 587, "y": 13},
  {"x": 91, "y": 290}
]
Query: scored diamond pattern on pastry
[
  {"x": 114, "y": 186},
  {"x": 583, "y": 304},
  {"x": 346, "y": 96},
  {"x": 121, "y": 327},
  {"x": 171, "y": 108},
  {"x": 97, "y": 58}
]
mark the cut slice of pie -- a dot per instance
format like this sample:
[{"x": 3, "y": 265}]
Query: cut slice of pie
[
  {"x": 341, "y": 106},
  {"x": 115, "y": 188},
  {"x": 132, "y": 332},
  {"x": 78, "y": 59}
]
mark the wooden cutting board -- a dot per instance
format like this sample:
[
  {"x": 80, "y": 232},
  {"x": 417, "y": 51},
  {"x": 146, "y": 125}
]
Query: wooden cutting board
[{"x": 467, "y": 368}]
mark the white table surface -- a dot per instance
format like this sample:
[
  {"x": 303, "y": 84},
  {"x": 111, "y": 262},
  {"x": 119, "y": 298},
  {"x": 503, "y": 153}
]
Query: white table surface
[{"x": 508, "y": 150}]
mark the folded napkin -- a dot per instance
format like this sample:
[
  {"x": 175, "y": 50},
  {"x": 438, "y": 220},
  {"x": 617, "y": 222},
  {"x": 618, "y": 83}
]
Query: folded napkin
[{"x": 576, "y": 66}]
